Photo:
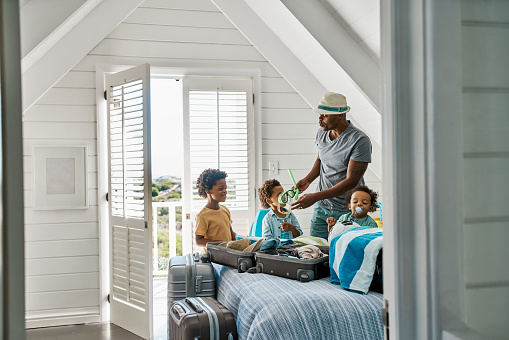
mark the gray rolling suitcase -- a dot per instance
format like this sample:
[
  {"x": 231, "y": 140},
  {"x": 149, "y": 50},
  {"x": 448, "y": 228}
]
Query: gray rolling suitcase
[
  {"x": 242, "y": 260},
  {"x": 189, "y": 276},
  {"x": 293, "y": 268},
  {"x": 200, "y": 318}
]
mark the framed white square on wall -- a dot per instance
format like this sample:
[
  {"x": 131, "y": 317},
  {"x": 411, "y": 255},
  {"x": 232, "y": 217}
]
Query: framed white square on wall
[{"x": 60, "y": 177}]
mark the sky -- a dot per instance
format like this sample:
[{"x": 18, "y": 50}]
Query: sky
[{"x": 166, "y": 121}]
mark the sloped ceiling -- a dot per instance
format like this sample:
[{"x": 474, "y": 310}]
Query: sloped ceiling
[
  {"x": 317, "y": 46},
  {"x": 315, "y": 54}
]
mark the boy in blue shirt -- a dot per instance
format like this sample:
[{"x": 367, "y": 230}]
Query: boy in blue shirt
[{"x": 276, "y": 225}]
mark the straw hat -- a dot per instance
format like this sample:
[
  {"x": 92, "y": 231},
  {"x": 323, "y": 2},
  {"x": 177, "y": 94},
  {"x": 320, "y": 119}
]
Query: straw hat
[{"x": 332, "y": 104}]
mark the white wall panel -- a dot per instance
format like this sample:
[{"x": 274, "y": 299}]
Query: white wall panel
[
  {"x": 485, "y": 45},
  {"x": 62, "y": 265},
  {"x": 77, "y": 79},
  {"x": 289, "y": 131},
  {"x": 487, "y": 310},
  {"x": 487, "y": 253},
  {"x": 42, "y": 249},
  {"x": 295, "y": 115},
  {"x": 138, "y": 48},
  {"x": 483, "y": 114},
  {"x": 61, "y": 282},
  {"x": 68, "y": 96},
  {"x": 196, "y": 5},
  {"x": 487, "y": 66},
  {"x": 204, "y": 35},
  {"x": 59, "y": 130},
  {"x": 62, "y": 299},
  {"x": 60, "y": 113},
  {"x": 61, "y": 231},
  {"x": 151, "y": 16}
]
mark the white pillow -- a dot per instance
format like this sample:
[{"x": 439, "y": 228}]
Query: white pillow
[{"x": 341, "y": 227}]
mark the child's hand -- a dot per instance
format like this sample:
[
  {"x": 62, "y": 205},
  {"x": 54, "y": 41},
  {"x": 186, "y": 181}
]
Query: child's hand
[
  {"x": 287, "y": 226},
  {"x": 331, "y": 221}
]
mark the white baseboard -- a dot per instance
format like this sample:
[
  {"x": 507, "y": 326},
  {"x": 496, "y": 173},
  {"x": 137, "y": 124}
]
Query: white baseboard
[{"x": 61, "y": 320}]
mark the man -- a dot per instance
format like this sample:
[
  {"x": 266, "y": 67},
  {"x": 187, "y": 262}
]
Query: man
[{"x": 344, "y": 153}]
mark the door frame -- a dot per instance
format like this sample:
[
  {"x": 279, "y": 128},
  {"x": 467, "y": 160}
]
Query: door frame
[
  {"x": 102, "y": 151},
  {"x": 423, "y": 279}
]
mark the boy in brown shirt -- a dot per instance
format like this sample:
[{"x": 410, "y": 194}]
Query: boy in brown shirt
[{"x": 213, "y": 222}]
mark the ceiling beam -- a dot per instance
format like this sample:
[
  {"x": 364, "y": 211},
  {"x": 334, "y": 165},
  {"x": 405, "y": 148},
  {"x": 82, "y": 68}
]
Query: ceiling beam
[
  {"x": 306, "y": 82},
  {"x": 68, "y": 49},
  {"x": 340, "y": 45}
]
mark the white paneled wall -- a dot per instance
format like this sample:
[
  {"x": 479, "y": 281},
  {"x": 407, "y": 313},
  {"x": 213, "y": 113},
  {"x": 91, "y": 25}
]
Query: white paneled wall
[
  {"x": 485, "y": 41},
  {"x": 62, "y": 257},
  {"x": 62, "y": 247}
]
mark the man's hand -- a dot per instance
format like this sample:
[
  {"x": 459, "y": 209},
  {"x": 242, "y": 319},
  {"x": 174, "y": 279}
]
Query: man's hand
[
  {"x": 303, "y": 184},
  {"x": 304, "y": 201}
]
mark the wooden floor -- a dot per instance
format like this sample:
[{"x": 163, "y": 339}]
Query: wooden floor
[
  {"x": 106, "y": 331},
  {"x": 98, "y": 331}
]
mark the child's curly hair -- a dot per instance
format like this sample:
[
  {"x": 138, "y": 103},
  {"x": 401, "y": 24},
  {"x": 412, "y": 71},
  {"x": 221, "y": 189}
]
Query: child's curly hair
[
  {"x": 367, "y": 190},
  {"x": 265, "y": 191},
  {"x": 208, "y": 179}
]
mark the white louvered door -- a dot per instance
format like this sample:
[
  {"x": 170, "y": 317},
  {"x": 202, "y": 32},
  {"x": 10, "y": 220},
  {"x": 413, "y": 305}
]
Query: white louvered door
[
  {"x": 218, "y": 133},
  {"x": 130, "y": 199}
]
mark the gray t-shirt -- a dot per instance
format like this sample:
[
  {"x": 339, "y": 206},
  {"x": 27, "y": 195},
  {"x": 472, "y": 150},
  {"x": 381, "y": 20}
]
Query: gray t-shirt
[{"x": 352, "y": 144}]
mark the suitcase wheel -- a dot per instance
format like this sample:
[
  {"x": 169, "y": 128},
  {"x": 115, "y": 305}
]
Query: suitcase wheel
[{"x": 244, "y": 265}]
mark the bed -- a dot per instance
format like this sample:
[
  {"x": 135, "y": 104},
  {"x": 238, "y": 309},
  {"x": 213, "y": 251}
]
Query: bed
[{"x": 270, "y": 307}]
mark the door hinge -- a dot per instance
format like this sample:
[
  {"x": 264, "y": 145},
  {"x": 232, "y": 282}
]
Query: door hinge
[
  {"x": 105, "y": 95},
  {"x": 107, "y": 196},
  {"x": 108, "y": 298},
  {"x": 146, "y": 224},
  {"x": 253, "y": 98},
  {"x": 385, "y": 318},
  {"x": 188, "y": 216}
]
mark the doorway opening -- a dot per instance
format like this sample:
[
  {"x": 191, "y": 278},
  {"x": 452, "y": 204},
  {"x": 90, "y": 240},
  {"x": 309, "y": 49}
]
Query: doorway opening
[{"x": 167, "y": 173}]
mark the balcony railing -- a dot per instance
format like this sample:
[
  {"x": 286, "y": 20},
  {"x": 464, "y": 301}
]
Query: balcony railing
[{"x": 160, "y": 264}]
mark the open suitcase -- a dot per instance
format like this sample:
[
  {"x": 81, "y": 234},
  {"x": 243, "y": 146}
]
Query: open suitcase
[
  {"x": 200, "y": 318},
  {"x": 242, "y": 260},
  {"x": 189, "y": 276},
  {"x": 303, "y": 270}
]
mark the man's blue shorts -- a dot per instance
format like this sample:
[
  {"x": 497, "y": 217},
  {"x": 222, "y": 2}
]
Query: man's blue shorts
[{"x": 319, "y": 225}]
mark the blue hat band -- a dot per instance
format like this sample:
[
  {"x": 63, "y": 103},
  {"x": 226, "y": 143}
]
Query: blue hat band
[{"x": 332, "y": 108}]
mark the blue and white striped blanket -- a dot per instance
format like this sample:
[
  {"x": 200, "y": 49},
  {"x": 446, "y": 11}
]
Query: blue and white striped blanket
[
  {"x": 353, "y": 257},
  {"x": 269, "y": 307}
]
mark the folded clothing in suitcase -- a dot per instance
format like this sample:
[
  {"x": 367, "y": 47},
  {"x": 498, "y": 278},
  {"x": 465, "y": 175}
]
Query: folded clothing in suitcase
[
  {"x": 190, "y": 276},
  {"x": 200, "y": 318},
  {"x": 242, "y": 260},
  {"x": 284, "y": 262}
]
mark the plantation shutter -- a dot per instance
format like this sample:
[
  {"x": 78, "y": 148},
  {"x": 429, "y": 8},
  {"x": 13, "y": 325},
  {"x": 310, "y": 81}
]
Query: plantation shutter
[
  {"x": 221, "y": 137},
  {"x": 130, "y": 199}
]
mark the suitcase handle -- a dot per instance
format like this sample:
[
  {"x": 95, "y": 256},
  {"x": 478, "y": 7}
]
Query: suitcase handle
[
  {"x": 194, "y": 305},
  {"x": 177, "y": 309}
]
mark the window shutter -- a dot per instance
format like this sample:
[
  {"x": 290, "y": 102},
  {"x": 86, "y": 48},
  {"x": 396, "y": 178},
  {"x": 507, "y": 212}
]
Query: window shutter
[{"x": 218, "y": 125}]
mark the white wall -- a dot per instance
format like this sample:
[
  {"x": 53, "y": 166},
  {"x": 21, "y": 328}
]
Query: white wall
[
  {"x": 485, "y": 41},
  {"x": 62, "y": 247}
]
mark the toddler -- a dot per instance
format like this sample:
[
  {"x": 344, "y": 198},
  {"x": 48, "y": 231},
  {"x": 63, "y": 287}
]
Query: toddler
[
  {"x": 361, "y": 200},
  {"x": 213, "y": 222},
  {"x": 276, "y": 225}
]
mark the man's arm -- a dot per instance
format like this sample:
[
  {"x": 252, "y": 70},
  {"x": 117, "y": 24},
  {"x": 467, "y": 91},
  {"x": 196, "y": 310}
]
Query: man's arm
[
  {"x": 354, "y": 174},
  {"x": 304, "y": 183}
]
